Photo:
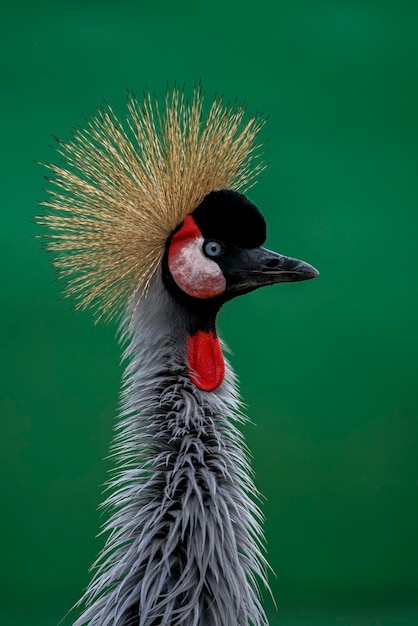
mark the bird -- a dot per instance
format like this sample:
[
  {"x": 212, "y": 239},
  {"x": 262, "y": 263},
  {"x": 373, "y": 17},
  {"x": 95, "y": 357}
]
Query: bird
[{"x": 149, "y": 220}]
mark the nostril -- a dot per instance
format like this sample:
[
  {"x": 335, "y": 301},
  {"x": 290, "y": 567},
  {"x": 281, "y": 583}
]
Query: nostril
[{"x": 272, "y": 263}]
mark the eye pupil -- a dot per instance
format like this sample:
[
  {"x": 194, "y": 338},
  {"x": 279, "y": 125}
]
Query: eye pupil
[{"x": 213, "y": 248}]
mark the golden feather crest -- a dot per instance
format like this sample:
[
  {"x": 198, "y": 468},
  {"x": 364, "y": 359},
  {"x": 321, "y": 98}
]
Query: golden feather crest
[{"x": 123, "y": 189}]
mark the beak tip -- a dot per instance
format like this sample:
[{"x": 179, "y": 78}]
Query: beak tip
[{"x": 307, "y": 271}]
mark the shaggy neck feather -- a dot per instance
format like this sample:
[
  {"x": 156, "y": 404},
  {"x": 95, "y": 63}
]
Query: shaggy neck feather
[{"x": 184, "y": 542}]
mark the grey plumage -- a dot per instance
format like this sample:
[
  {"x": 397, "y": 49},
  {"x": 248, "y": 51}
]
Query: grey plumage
[
  {"x": 149, "y": 214},
  {"x": 185, "y": 540}
]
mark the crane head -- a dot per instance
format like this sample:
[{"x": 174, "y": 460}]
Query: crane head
[
  {"x": 217, "y": 252},
  {"x": 214, "y": 255},
  {"x": 162, "y": 192}
]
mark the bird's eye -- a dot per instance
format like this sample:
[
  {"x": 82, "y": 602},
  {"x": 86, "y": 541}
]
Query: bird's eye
[{"x": 213, "y": 248}]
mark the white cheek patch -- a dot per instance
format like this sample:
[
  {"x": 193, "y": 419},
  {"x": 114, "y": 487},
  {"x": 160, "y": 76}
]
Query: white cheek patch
[{"x": 194, "y": 273}]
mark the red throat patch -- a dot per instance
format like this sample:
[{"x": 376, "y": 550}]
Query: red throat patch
[{"x": 205, "y": 361}]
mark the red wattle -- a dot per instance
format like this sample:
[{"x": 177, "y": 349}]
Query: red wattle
[{"x": 205, "y": 361}]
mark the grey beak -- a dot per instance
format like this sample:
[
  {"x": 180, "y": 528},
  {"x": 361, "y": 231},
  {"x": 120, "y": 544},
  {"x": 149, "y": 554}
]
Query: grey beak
[
  {"x": 259, "y": 267},
  {"x": 277, "y": 268}
]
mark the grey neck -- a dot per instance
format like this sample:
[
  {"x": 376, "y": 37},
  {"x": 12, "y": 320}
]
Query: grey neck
[{"x": 184, "y": 545}]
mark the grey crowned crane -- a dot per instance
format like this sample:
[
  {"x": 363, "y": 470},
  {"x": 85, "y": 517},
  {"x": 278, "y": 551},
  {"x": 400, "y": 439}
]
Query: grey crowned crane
[{"x": 149, "y": 217}]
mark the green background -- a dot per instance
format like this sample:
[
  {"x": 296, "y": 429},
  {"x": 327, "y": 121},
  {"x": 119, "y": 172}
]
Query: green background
[{"x": 328, "y": 368}]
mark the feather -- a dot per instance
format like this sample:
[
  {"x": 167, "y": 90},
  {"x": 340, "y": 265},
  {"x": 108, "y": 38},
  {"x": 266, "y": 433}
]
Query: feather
[
  {"x": 185, "y": 546},
  {"x": 123, "y": 189},
  {"x": 184, "y": 541}
]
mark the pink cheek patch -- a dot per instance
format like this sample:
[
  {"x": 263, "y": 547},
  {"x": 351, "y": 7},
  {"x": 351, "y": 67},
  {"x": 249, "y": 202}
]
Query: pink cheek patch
[{"x": 194, "y": 273}]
